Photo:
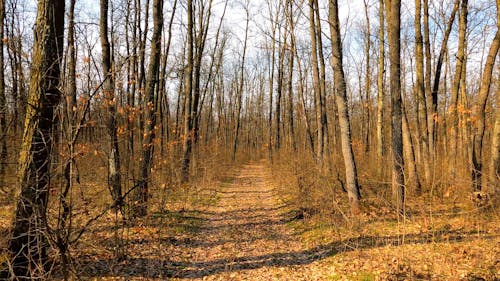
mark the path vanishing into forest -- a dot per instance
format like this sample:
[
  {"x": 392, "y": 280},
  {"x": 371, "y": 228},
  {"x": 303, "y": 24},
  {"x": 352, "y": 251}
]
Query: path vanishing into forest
[{"x": 246, "y": 236}]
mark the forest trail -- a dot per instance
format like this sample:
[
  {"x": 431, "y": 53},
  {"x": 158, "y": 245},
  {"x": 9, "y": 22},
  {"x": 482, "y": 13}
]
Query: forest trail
[{"x": 246, "y": 236}]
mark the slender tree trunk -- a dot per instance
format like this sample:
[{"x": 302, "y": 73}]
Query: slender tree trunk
[
  {"x": 455, "y": 90},
  {"x": 433, "y": 112},
  {"x": 3, "y": 107},
  {"x": 271, "y": 81},
  {"x": 142, "y": 193},
  {"x": 341, "y": 97},
  {"x": 393, "y": 8},
  {"x": 188, "y": 91},
  {"x": 368, "y": 80},
  {"x": 413, "y": 178},
  {"x": 429, "y": 150},
  {"x": 241, "y": 83},
  {"x": 114, "y": 177},
  {"x": 279, "y": 92},
  {"x": 380, "y": 85},
  {"x": 28, "y": 244},
  {"x": 290, "y": 97},
  {"x": 316, "y": 84},
  {"x": 422, "y": 140}
]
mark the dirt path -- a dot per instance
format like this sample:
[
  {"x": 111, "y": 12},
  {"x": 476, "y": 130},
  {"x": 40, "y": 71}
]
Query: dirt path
[{"x": 245, "y": 237}]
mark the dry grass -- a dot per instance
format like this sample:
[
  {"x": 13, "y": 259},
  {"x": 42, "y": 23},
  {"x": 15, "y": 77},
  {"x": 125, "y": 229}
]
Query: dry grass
[{"x": 444, "y": 236}]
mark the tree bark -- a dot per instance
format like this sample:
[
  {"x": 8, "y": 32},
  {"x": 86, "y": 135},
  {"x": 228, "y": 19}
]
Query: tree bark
[
  {"x": 380, "y": 85},
  {"x": 114, "y": 176},
  {"x": 368, "y": 80},
  {"x": 3, "y": 101},
  {"x": 479, "y": 114},
  {"x": 316, "y": 83},
  {"x": 422, "y": 137},
  {"x": 140, "y": 206},
  {"x": 341, "y": 98},
  {"x": 28, "y": 243},
  {"x": 494, "y": 173},
  {"x": 393, "y": 8},
  {"x": 455, "y": 90},
  {"x": 432, "y": 111},
  {"x": 188, "y": 91}
]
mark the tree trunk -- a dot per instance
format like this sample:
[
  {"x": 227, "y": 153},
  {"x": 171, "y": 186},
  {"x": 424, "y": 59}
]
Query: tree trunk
[
  {"x": 188, "y": 91},
  {"x": 432, "y": 111},
  {"x": 479, "y": 113},
  {"x": 240, "y": 86},
  {"x": 455, "y": 90},
  {"x": 422, "y": 141},
  {"x": 316, "y": 84},
  {"x": 149, "y": 131},
  {"x": 429, "y": 156},
  {"x": 114, "y": 177},
  {"x": 341, "y": 98},
  {"x": 28, "y": 244},
  {"x": 393, "y": 8},
  {"x": 380, "y": 85},
  {"x": 368, "y": 80},
  {"x": 494, "y": 176},
  {"x": 3, "y": 101},
  {"x": 413, "y": 180}
]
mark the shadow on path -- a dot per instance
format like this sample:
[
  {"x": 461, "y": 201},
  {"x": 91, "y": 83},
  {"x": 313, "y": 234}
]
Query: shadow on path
[{"x": 139, "y": 267}]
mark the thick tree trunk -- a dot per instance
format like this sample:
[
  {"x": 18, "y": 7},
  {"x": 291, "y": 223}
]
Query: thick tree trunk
[
  {"x": 341, "y": 98},
  {"x": 393, "y": 8},
  {"x": 479, "y": 114},
  {"x": 28, "y": 244}
]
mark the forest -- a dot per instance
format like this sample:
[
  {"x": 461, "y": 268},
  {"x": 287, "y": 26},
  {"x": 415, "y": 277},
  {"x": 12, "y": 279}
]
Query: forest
[{"x": 249, "y": 140}]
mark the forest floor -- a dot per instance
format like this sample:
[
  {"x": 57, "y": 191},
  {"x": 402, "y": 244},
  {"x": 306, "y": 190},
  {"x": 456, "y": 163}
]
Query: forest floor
[{"x": 245, "y": 229}]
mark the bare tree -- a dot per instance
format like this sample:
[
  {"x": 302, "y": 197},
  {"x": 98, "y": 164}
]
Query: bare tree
[
  {"x": 393, "y": 8},
  {"x": 478, "y": 111},
  {"x": 149, "y": 131},
  {"x": 114, "y": 176},
  {"x": 239, "y": 91},
  {"x": 317, "y": 81},
  {"x": 341, "y": 98},
  {"x": 380, "y": 82},
  {"x": 3, "y": 100},
  {"x": 455, "y": 90},
  {"x": 28, "y": 243},
  {"x": 421, "y": 104}
]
